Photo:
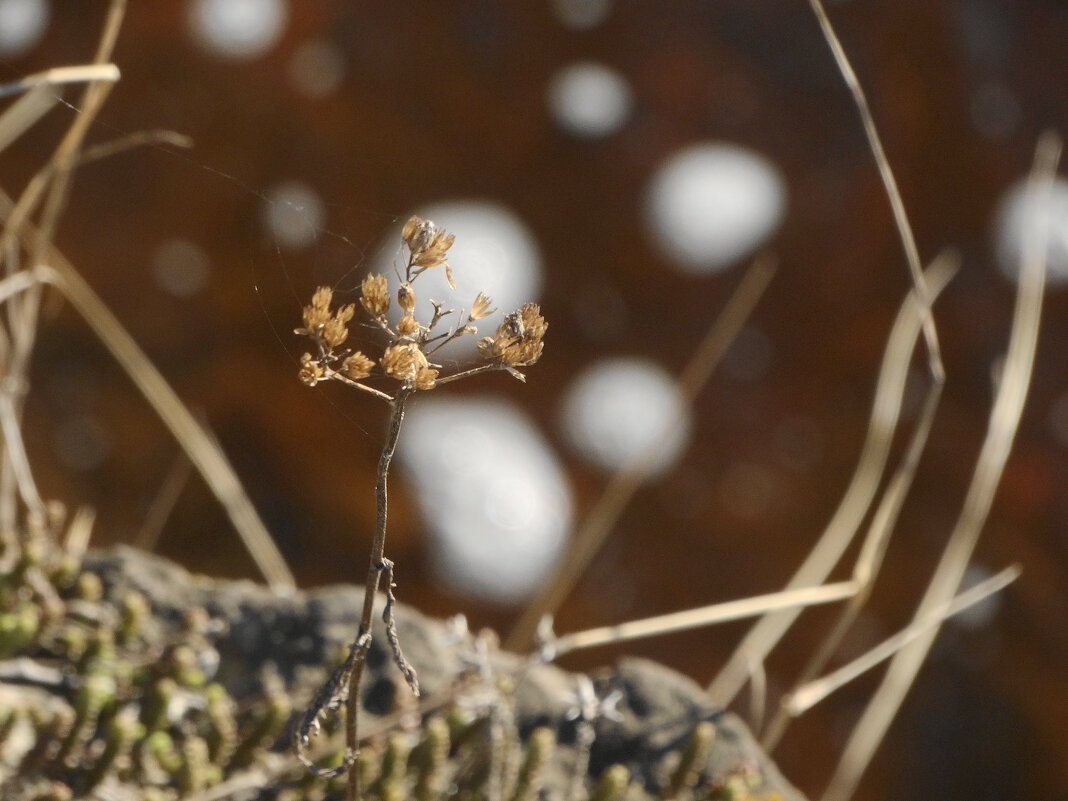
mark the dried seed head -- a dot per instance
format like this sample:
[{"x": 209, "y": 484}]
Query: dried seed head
[
  {"x": 357, "y": 366},
  {"x": 317, "y": 314},
  {"x": 417, "y": 233},
  {"x": 374, "y": 295},
  {"x": 336, "y": 329},
  {"x": 403, "y": 362},
  {"x": 406, "y": 297},
  {"x": 310, "y": 371},
  {"x": 481, "y": 307},
  {"x": 518, "y": 341},
  {"x": 426, "y": 378},
  {"x": 428, "y": 245},
  {"x": 407, "y": 326}
]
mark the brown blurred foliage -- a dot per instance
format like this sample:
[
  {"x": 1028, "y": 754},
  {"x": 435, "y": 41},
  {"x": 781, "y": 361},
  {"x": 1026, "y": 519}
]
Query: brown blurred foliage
[{"x": 448, "y": 99}]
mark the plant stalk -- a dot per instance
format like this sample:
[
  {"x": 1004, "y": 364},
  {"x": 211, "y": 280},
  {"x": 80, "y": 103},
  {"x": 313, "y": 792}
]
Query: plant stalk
[{"x": 374, "y": 573}]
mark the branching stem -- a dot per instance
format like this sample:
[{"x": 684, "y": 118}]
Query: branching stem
[
  {"x": 482, "y": 368},
  {"x": 374, "y": 573}
]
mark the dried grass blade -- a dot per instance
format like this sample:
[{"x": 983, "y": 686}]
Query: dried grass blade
[
  {"x": 897, "y": 205},
  {"x": 80, "y": 531},
  {"x": 16, "y": 455},
  {"x": 57, "y": 76},
  {"x": 17, "y": 462},
  {"x": 810, "y": 694},
  {"x": 163, "y": 504},
  {"x": 594, "y": 529},
  {"x": 191, "y": 436},
  {"x": 873, "y": 549},
  {"x": 839, "y": 533},
  {"x": 703, "y": 616},
  {"x": 24, "y": 112},
  {"x": 1004, "y": 420}
]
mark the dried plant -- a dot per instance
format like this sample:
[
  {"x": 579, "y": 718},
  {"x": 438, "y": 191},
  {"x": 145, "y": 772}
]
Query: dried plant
[{"x": 406, "y": 363}]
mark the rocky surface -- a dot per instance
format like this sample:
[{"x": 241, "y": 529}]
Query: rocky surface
[{"x": 250, "y": 634}]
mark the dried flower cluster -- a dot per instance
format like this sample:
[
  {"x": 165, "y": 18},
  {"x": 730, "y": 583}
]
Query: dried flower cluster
[
  {"x": 406, "y": 358},
  {"x": 407, "y": 355}
]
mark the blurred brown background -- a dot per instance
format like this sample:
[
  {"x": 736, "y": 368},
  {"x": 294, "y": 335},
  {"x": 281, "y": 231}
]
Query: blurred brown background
[{"x": 434, "y": 100}]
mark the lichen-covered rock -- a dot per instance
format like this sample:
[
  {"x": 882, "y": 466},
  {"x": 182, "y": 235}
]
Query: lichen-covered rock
[{"x": 130, "y": 678}]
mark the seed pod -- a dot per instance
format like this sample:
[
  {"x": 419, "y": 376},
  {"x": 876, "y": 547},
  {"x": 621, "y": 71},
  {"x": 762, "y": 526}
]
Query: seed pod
[
  {"x": 268, "y": 717},
  {"x": 97, "y": 691},
  {"x": 135, "y": 611},
  {"x": 159, "y": 747},
  {"x": 692, "y": 760},
  {"x": 154, "y": 710},
  {"x": 222, "y": 727},
  {"x": 538, "y": 751},
  {"x": 429, "y": 759},
  {"x": 51, "y": 728},
  {"x": 391, "y": 785},
  {"x": 18, "y": 628},
  {"x": 612, "y": 784},
  {"x": 89, "y": 587},
  {"x": 122, "y": 731},
  {"x": 196, "y": 772}
]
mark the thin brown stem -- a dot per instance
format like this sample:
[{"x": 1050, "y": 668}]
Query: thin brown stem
[
  {"x": 334, "y": 375},
  {"x": 485, "y": 368},
  {"x": 908, "y": 241},
  {"x": 374, "y": 573}
]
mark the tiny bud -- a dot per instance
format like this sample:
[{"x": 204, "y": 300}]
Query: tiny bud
[
  {"x": 406, "y": 297},
  {"x": 407, "y": 326}
]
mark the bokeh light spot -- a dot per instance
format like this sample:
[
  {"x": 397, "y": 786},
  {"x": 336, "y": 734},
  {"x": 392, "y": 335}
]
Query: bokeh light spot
[
  {"x": 619, "y": 407},
  {"x": 493, "y": 494},
  {"x": 712, "y": 204},
  {"x": 589, "y": 100},
  {"x": 581, "y": 14},
  {"x": 238, "y": 29},
  {"x": 1020, "y": 218},
  {"x": 81, "y": 443},
  {"x": 294, "y": 215},
  {"x": 316, "y": 69},
  {"x": 180, "y": 268},
  {"x": 22, "y": 24}
]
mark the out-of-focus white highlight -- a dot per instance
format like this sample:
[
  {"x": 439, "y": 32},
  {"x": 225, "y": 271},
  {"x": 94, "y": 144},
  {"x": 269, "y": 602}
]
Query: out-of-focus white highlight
[
  {"x": 1019, "y": 219},
  {"x": 81, "y": 443},
  {"x": 581, "y": 14},
  {"x": 493, "y": 495},
  {"x": 238, "y": 29},
  {"x": 494, "y": 252},
  {"x": 316, "y": 69},
  {"x": 180, "y": 267},
  {"x": 589, "y": 100},
  {"x": 620, "y": 407},
  {"x": 22, "y": 23},
  {"x": 294, "y": 214},
  {"x": 711, "y": 204}
]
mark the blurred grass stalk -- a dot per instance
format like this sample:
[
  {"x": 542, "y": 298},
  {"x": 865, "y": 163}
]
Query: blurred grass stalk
[{"x": 24, "y": 241}]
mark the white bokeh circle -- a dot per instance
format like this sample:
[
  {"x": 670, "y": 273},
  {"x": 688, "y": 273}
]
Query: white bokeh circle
[
  {"x": 618, "y": 408},
  {"x": 589, "y": 99},
  {"x": 22, "y": 24},
  {"x": 714, "y": 203},
  {"x": 493, "y": 494},
  {"x": 1020, "y": 218},
  {"x": 238, "y": 29},
  {"x": 294, "y": 214}
]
